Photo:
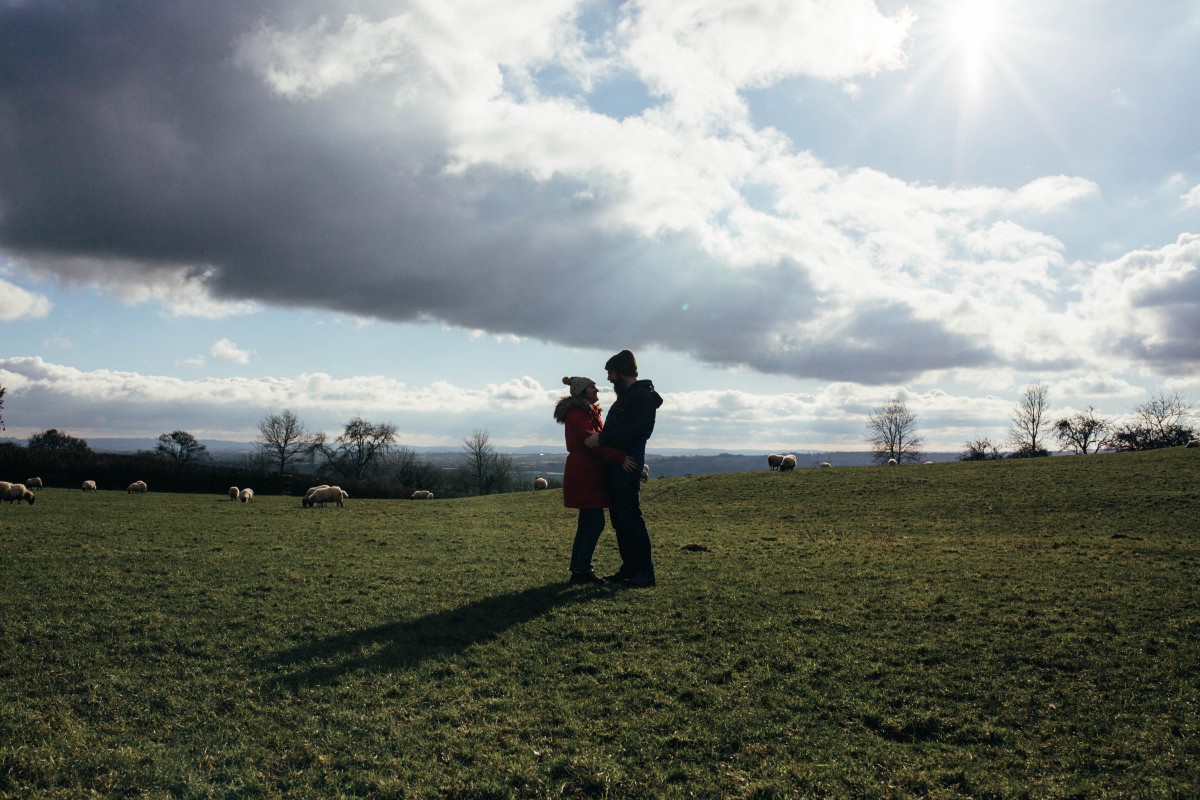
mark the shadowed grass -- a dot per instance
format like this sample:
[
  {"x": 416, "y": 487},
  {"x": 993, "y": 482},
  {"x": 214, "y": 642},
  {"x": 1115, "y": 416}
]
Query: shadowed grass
[{"x": 1008, "y": 629}]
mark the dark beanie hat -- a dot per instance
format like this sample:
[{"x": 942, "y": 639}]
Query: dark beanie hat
[{"x": 623, "y": 363}]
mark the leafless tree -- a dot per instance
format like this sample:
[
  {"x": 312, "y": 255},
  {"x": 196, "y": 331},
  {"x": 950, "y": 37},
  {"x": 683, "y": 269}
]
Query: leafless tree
[
  {"x": 356, "y": 449},
  {"x": 485, "y": 470},
  {"x": 2, "y": 391},
  {"x": 892, "y": 432},
  {"x": 1030, "y": 421},
  {"x": 1084, "y": 432},
  {"x": 1160, "y": 421},
  {"x": 180, "y": 447},
  {"x": 284, "y": 440},
  {"x": 981, "y": 450}
]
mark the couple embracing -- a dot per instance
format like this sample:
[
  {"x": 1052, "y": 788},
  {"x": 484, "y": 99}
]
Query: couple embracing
[{"x": 604, "y": 469}]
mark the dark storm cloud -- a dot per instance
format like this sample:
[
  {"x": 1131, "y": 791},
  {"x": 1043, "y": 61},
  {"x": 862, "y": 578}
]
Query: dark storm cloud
[{"x": 129, "y": 132}]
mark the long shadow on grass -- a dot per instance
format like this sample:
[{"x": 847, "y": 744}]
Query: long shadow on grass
[{"x": 404, "y": 645}]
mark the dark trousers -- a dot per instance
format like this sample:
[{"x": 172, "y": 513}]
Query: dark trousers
[
  {"x": 633, "y": 540},
  {"x": 587, "y": 533}
]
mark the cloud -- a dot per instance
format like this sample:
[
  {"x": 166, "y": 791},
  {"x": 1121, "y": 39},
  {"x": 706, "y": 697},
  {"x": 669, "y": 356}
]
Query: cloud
[
  {"x": 225, "y": 350},
  {"x": 1191, "y": 198},
  {"x": 443, "y": 165},
  {"x": 1145, "y": 306},
  {"x": 17, "y": 303}
]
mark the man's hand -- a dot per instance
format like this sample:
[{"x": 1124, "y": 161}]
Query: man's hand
[{"x": 630, "y": 465}]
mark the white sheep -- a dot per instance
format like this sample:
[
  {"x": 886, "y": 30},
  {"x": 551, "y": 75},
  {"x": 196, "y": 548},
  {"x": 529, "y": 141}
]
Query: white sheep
[
  {"x": 1193, "y": 443},
  {"x": 33, "y": 483},
  {"x": 246, "y": 495},
  {"x": 234, "y": 492},
  {"x": 540, "y": 483},
  {"x": 788, "y": 463},
  {"x": 928, "y": 463},
  {"x": 326, "y": 494},
  {"x": 137, "y": 486},
  {"x": 826, "y": 465},
  {"x": 891, "y": 462},
  {"x": 774, "y": 460},
  {"x": 307, "y": 501},
  {"x": 422, "y": 494},
  {"x": 645, "y": 472},
  {"x": 4, "y": 488},
  {"x": 89, "y": 486},
  {"x": 17, "y": 492}
]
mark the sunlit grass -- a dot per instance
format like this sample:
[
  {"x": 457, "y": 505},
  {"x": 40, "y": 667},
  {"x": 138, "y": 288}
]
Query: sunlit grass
[{"x": 1012, "y": 629}]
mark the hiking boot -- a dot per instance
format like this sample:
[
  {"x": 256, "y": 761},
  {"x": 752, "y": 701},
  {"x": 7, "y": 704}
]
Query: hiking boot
[
  {"x": 618, "y": 576},
  {"x": 586, "y": 577},
  {"x": 643, "y": 580}
]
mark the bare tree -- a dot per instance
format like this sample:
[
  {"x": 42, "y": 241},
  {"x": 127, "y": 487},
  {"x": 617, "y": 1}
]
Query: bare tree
[
  {"x": 284, "y": 440},
  {"x": 1082, "y": 431},
  {"x": 1030, "y": 422},
  {"x": 486, "y": 471},
  {"x": 356, "y": 449},
  {"x": 981, "y": 450},
  {"x": 180, "y": 447},
  {"x": 892, "y": 432},
  {"x": 2, "y": 391},
  {"x": 1160, "y": 421}
]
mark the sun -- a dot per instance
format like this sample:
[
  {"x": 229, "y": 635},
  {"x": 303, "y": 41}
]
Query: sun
[{"x": 972, "y": 26}]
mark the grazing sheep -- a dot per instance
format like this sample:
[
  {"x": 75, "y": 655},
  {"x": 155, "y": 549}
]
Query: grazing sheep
[
  {"x": 137, "y": 486},
  {"x": 540, "y": 483},
  {"x": 927, "y": 463},
  {"x": 4, "y": 488},
  {"x": 422, "y": 494},
  {"x": 33, "y": 483},
  {"x": 326, "y": 494},
  {"x": 246, "y": 495},
  {"x": 1193, "y": 443},
  {"x": 645, "y": 472},
  {"x": 826, "y": 465},
  {"x": 234, "y": 492},
  {"x": 787, "y": 464},
  {"x": 774, "y": 460},
  {"x": 891, "y": 462},
  {"x": 89, "y": 486},
  {"x": 17, "y": 492},
  {"x": 308, "y": 501}
]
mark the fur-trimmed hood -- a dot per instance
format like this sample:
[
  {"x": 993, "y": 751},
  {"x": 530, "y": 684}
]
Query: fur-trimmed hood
[{"x": 565, "y": 404}]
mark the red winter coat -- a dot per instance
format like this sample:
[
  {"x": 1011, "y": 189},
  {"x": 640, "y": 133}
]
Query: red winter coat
[{"x": 583, "y": 477}]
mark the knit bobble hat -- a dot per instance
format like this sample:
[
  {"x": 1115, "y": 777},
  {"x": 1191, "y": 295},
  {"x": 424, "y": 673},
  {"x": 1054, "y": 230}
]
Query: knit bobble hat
[
  {"x": 623, "y": 363},
  {"x": 578, "y": 384}
]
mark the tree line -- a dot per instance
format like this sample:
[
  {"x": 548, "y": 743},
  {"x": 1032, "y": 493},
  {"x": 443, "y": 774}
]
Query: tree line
[
  {"x": 288, "y": 457},
  {"x": 1161, "y": 421}
]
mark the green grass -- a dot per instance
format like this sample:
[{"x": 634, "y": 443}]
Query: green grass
[{"x": 986, "y": 630}]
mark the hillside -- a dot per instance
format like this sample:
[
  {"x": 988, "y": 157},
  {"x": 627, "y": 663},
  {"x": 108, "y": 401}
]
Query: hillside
[{"x": 999, "y": 629}]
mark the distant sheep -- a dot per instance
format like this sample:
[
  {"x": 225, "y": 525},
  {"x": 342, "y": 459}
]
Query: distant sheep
[
  {"x": 927, "y": 463},
  {"x": 645, "y": 472},
  {"x": 540, "y": 483},
  {"x": 1193, "y": 443},
  {"x": 139, "y": 487},
  {"x": 233, "y": 492},
  {"x": 774, "y": 460},
  {"x": 787, "y": 464},
  {"x": 33, "y": 483},
  {"x": 325, "y": 494},
  {"x": 89, "y": 486},
  {"x": 246, "y": 495},
  {"x": 826, "y": 465},
  {"x": 891, "y": 462},
  {"x": 17, "y": 492},
  {"x": 424, "y": 494}
]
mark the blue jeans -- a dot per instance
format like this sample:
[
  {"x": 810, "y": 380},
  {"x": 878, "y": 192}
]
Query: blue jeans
[
  {"x": 587, "y": 533},
  {"x": 633, "y": 540}
]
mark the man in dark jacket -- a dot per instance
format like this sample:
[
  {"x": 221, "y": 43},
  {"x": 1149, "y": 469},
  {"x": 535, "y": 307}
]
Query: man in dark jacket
[{"x": 627, "y": 427}]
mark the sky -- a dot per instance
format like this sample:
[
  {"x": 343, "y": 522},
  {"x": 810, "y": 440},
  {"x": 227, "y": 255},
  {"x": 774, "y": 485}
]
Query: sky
[{"x": 429, "y": 212}]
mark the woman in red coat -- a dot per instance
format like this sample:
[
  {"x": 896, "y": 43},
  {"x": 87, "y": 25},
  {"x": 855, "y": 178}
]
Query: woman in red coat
[{"x": 584, "y": 486}]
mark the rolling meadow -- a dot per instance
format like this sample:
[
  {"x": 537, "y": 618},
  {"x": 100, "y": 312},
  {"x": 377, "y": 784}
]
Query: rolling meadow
[{"x": 1009, "y": 629}]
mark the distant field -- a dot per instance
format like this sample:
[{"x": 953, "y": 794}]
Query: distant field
[{"x": 985, "y": 630}]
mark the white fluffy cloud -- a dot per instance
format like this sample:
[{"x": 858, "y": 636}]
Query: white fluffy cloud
[
  {"x": 17, "y": 303},
  {"x": 226, "y": 350}
]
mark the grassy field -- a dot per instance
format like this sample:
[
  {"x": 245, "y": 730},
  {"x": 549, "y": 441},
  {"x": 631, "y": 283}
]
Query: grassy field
[{"x": 984, "y": 630}]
